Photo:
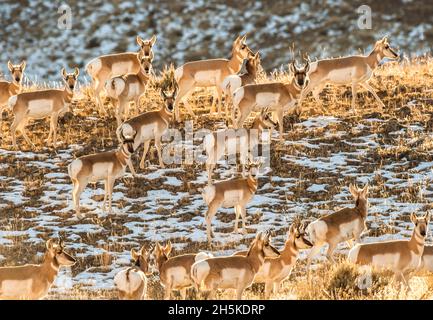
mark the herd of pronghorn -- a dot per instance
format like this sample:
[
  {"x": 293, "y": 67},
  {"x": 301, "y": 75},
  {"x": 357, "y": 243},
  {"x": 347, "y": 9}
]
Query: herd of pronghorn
[{"x": 124, "y": 77}]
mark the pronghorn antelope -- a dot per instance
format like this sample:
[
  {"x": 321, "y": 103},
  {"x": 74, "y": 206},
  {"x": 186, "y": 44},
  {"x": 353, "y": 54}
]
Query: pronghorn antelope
[
  {"x": 131, "y": 283},
  {"x": 130, "y": 87},
  {"x": 33, "y": 281},
  {"x": 9, "y": 89},
  {"x": 107, "y": 166},
  {"x": 105, "y": 67},
  {"x": 352, "y": 70},
  {"x": 275, "y": 270},
  {"x": 233, "y": 272},
  {"x": 344, "y": 225},
  {"x": 279, "y": 97},
  {"x": 175, "y": 272},
  {"x": 242, "y": 141},
  {"x": 236, "y": 192},
  {"x": 150, "y": 125},
  {"x": 401, "y": 256},
  {"x": 41, "y": 104},
  {"x": 209, "y": 73},
  {"x": 427, "y": 258},
  {"x": 235, "y": 81}
]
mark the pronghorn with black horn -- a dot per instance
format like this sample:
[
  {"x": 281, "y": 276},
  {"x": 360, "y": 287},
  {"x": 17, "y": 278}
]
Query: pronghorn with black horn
[
  {"x": 209, "y": 73},
  {"x": 344, "y": 225},
  {"x": 129, "y": 87},
  {"x": 175, "y": 272},
  {"x": 9, "y": 89},
  {"x": 106, "y": 166},
  {"x": 242, "y": 141},
  {"x": 105, "y": 67},
  {"x": 400, "y": 256},
  {"x": 149, "y": 126},
  {"x": 235, "y": 192},
  {"x": 131, "y": 283},
  {"x": 352, "y": 70},
  {"x": 235, "y": 81},
  {"x": 42, "y": 104},
  {"x": 233, "y": 272},
  {"x": 275, "y": 270},
  {"x": 33, "y": 281},
  {"x": 279, "y": 97}
]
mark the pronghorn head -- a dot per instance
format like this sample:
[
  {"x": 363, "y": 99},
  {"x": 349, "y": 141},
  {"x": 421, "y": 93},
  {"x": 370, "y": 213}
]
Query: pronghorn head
[
  {"x": 264, "y": 120},
  {"x": 146, "y": 46},
  {"x": 297, "y": 237},
  {"x": 169, "y": 98},
  {"x": 253, "y": 63},
  {"x": 300, "y": 75},
  {"x": 253, "y": 167},
  {"x": 146, "y": 64},
  {"x": 262, "y": 245},
  {"x": 127, "y": 137},
  {"x": 70, "y": 79},
  {"x": 359, "y": 194},
  {"x": 141, "y": 259},
  {"x": 382, "y": 46},
  {"x": 57, "y": 253},
  {"x": 421, "y": 224},
  {"x": 241, "y": 49},
  {"x": 159, "y": 253},
  {"x": 17, "y": 71}
]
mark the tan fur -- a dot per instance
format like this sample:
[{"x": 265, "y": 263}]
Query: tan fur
[
  {"x": 209, "y": 73},
  {"x": 340, "y": 226},
  {"x": 33, "y": 281},
  {"x": 401, "y": 256},
  {"x": 41, "y": 104},
  {"x": 233, "y": 272},
  {"x": 9, "y": 89},
  {"x": 102, "y": 68},
  {"x": 278, "y": 97},
  {"x": 352, "y": 70}
]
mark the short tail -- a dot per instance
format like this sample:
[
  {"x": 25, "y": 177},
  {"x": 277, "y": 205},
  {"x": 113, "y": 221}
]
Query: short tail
[{"x": 11, "y": 102}]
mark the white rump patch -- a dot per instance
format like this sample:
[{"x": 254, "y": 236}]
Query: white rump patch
[
  {"x": 208, "y": 194},
  {"x": 94, "y": 66},
  {"x": 135, "y": 280},
  {"x": 119, "y": 87},
  {"x": 178, "y": 73},
  {"x": 75, "y": 167},
  {"x": 12, "y": 101},
  {"x": 202, "y": 256},
  {"x": 230, "y": 84}
]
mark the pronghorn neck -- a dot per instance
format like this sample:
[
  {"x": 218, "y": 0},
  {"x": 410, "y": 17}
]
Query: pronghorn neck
[
  {"x": 258, "y": 125},
  {"x": 374, "y": 58},
  {"x": 161, "y": 260},
  {"x": 50, "y": 267},
  {"x": 362, "y": 206},
  {"x": 235, "y": 62},
  {"x": 123, "y": 155},
  {"x": 252, "y": 183},
  {"x": 255, "y": 258},
  {"x": 14, "y": 88},
  {"x": 251, "y": 70},
  {"x": 165, "y": 114},
  {"x": 142, "y": 76},
  {"x": 68, "y": 94},
  {"x": 293, "y": 84},
  {"x": 416, "y": 243}
]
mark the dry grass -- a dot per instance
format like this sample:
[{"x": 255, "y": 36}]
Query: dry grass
[{"x": 407, "y": 94}]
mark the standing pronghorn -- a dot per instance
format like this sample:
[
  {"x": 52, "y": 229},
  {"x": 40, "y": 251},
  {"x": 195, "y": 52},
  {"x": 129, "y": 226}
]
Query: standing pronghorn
[
  {"x": 175, "y": 272},
  {"x": 130, "y": 87},
  {"x": 107, "y": 166},
  {"x": 131, "y": 283},
  {"x": 275, "y": 270},
  {"x": 151, "y": 125},
  {"x": 41, "y": 104},
  {"x": 33, "y": 281},
  {"x": 352, "y": 70},
  {"x": 9, "y": 89},
  {"x": 235, "y": 81},
  {"x": 278, "y": 96},
  {"x": 343, "y": 225},
  {"x": 401, "y": 256},
  {"x": 236, "y": 192},
  {"x": 105, "y": 67},
  {"x": 233, "y": 272},
  {"x": 209, "y": 73},
  {"x": 242, "y": 141}
]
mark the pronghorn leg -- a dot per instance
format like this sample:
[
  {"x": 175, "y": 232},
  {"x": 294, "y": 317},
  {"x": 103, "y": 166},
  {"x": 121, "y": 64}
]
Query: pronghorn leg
[
  {"x": 350, "y": 243},
  {"x": 244, "y": 218},
  {"x": 239, "y": 292},
  {"x": 244, "y": 111},
  {"x": 158, "y": 150},
  {"x": 211, "y": 211},
  {"x": 16, "y": 124},
  {"x": 313, "y": 252},
  {"x": 104, "y": 204},
  {"x": 99, "y": 85},
  {"x": 119, "y": 110},
  {"x": 167, "y": 292},
  {"x": 269, "y": 285},
  {"x": 185, "y": 86},
  {"x": 371, "y": 90},
  {"x": 280, "y": 118},
  {"x": 183, "y": 294},
  {"x": 54, "y": 121},
  {"x": 237, "y": 214},
  {"x": 210, "y": 167},
  {"x": 354, "y": 93},
  {"x": 131, "y": 168},
  {"x": 79, "y": 186},
  {"x": 24, "y": 133},
  {"x": 110, "y": 193},
  {"x": 316, "y": 94},
  {"x": 330, "y": 251},
  {"x": 145, "y": 149},
  {"x": 219, "y": 97}
]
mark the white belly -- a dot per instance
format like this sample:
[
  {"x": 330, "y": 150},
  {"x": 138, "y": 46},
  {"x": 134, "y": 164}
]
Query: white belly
[
  {"x": 18, "y": 289},
  {"x": 232, "y": 198},
  {"x": 341, "y": 76},
  {"x": 100, "y": 170},
  {"x": 207, "y": 78},
  {"x": 40, "y": 108},
  {"x": 388, "y": 260},
  {"x": 266, "y": 99},
  {"x": 147, "y": 132},
  {"x": 121, "y": 68},
  {"x": 134, "y": 90}
]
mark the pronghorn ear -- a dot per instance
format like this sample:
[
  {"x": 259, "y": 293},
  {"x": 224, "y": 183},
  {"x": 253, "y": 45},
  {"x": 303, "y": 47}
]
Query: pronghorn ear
[
  {"x": 76, "y": 72},
  {"x": 353, "y": 190},
  {"x": 143, "y": 251},
  {"x": 167, "y": 248},
  {"x": 153, "y": 40},
  {"x": 139, "y": 41},
  {"x": 291, "y": 229},
  {"x": 237, "y": 40},
  {"x": 49, "y": 244},
  {"x": 244, "y": 38},
  {"x": 413, "y": 218},
  {"x": 134, "y": 254},
  {"x": 292, "y": 67},
  {"x": 10, "y": 66},
  {"x": 427, "y": 216},
  {"x": 63, "y": 72},
  {"x": 23, "y": 65},
  {"x": 365, "y": 190},
  {"x": 257, "y": 55}
]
